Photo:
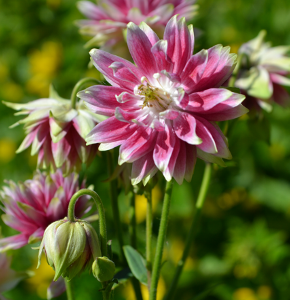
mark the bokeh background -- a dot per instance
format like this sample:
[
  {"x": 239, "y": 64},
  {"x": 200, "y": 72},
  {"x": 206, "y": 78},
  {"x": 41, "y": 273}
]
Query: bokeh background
[{"x": 242, "y": 249}]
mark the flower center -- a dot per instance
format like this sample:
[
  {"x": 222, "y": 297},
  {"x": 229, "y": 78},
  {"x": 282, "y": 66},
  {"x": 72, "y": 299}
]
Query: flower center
[{"x": 154, "y": 97}]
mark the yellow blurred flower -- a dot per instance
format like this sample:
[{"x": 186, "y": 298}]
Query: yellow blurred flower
[
  {"x": 7, "y": 150},
  {"x": 43, "y": 66},
  {"x": 244, "y": 294},
  {"x": 264, "y": 292},
  {"x": 42, "y": 278},
  {"x": 174, "y": 252},
  {"x": 141, "y": 204},
  {"x": 128, "y": 291}
]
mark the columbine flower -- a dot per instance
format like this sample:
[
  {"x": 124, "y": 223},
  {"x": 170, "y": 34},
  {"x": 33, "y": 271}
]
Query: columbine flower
[
  {"x": 69, "y": 247},
  {"x": 263, "y": 71},
  {"x": 56, "y": 132},
  {"x": 31, "y": 206},
  {"x": 8, "y": 277},
  {"x": 162, "y": 111},
  {"x": 109, "y": 18}
]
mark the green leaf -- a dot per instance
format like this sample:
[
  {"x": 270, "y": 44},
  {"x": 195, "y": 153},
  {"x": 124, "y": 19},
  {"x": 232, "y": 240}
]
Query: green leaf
[{"x": 136, "y": 264}]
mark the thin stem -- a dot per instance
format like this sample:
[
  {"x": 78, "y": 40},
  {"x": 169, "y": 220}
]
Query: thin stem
[
  {"x": 149, "y": 218},
  {"x": 69, "y": 292},
  {"x": 132, "y": 218},
  {"x": 115, "y": 205},
  {"x": 198, "y": 208},
  {"x": 160, "y": 241},
  {"x": 79, "y": 86},
  {"x": 137, "y": 289},
  {"x": 101, "y": 211},
  {"x": 236, "y": 70},
  {"x": 107, "y": 291}
]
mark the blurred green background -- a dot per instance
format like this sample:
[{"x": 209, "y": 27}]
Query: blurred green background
[{"x": 242, "y": 250}]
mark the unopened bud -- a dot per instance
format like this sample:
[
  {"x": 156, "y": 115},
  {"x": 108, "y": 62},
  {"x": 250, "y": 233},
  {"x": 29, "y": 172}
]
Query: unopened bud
[
  {"x": 69, "y": 247},
  {"x": 103, "y": 269}
]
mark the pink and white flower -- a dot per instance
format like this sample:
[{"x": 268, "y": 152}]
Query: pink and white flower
[
  {"x": 107, "y": 20},
  {"x": 162, "y": 111},
  {"x": 31, "y": 206},
  {"x": 56, "y": 131},
  {"x": 264, "y": 70}
]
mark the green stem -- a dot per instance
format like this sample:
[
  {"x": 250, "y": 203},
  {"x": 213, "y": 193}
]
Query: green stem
[
  {"x": 107, "y": 291},
  {"x": 149, "y": 219},
  {"x": 160, "y": 241},
  {"x": 137, "y": 289},
  {"x": 101, "y": 211},
  {"x": 115, "y": 205},
  {"x": 132, "y": 218},
  {"x": 133, "y": 239},
  {"x": 192, "y": 231},
  {"x": 236, "y": 70},
  {"x": 79, "y": 86},
  {"x": 69, "y": 292}
]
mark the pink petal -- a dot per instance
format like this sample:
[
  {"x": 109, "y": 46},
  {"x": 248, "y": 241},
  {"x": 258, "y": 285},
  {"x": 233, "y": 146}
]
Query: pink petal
[
  {"x": 159, "y": 50},
  {"x": 110, "y": 130},
  {"x": 190, "y": 161},
  {"x": 13, "y": 242},
  {"x": 218, "y": 69},
  {"x": 60, "y": 151},
  {"x": 102, "y": 99},
  {"x": 151, "y": 35},
  {"x": 140, "y": 49},
  {"x": 128, "y": 116},
  {"x": 91, "y": 10},
  {"x": 139, "y": 144},
  {"x": 213, "y": 140},
  {"x": 184, "y": 127},
  {"x": 122, "y": 72},
  {"x": 56, "y": 288},
  {"x": 164, "y": 147},
  {"x": 180, "y": 165},
  {"x": 102, "y": 60},
  {"x": 194, "y": 70},
  {"x": 168, "y": 173},
  {"x": 143, "y": 167},
  {"x": 179, "y": 43}
]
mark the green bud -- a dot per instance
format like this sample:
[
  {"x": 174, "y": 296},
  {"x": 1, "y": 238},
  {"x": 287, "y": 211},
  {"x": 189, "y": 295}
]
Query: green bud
[
  {"x": 103, "y": 269},
  {"x": 69, "y": 247}
]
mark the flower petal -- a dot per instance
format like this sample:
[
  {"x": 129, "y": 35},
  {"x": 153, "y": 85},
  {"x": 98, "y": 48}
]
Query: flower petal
[
  {"x": 164, "y": 147},
  {"x": 184, "y": 127},
  {"x": 110, "y": 130},
  {"x": 179, "y": 43},
  {"x": 140, "y": 49}
]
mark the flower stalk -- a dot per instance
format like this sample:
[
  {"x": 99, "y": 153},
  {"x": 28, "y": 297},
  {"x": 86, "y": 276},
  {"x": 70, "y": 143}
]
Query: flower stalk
[
  {"x": 160, "y": 241},
  {"x": 198, "y": 208},
  {"x": 149, "y": 218},
  {"x": 79, "y": 86},
  {"x": 101, "y": 211},
  {"x": 115, "y": 205},
  {"x": 69, "y": 292}
]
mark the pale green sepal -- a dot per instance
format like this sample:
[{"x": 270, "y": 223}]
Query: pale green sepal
[
  {"x": 210, "y": 158},
  {"x": 256, "y": 82}
]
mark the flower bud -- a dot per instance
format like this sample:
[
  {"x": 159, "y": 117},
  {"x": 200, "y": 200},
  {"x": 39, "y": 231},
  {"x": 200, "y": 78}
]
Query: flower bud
[
  {"x": 69, "y": 247},
  {"x": 103, "y": 269}
]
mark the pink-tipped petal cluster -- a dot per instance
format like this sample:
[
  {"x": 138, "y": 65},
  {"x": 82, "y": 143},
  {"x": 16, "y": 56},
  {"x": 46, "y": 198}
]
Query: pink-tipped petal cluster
[
  {"x": 162, "y": 111},
  {"x": 109, "y": 18},
  {"x": 31, "y": 206},
  {"x": 264, "y": 70},
  {"x": 57, "y": 132}
]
